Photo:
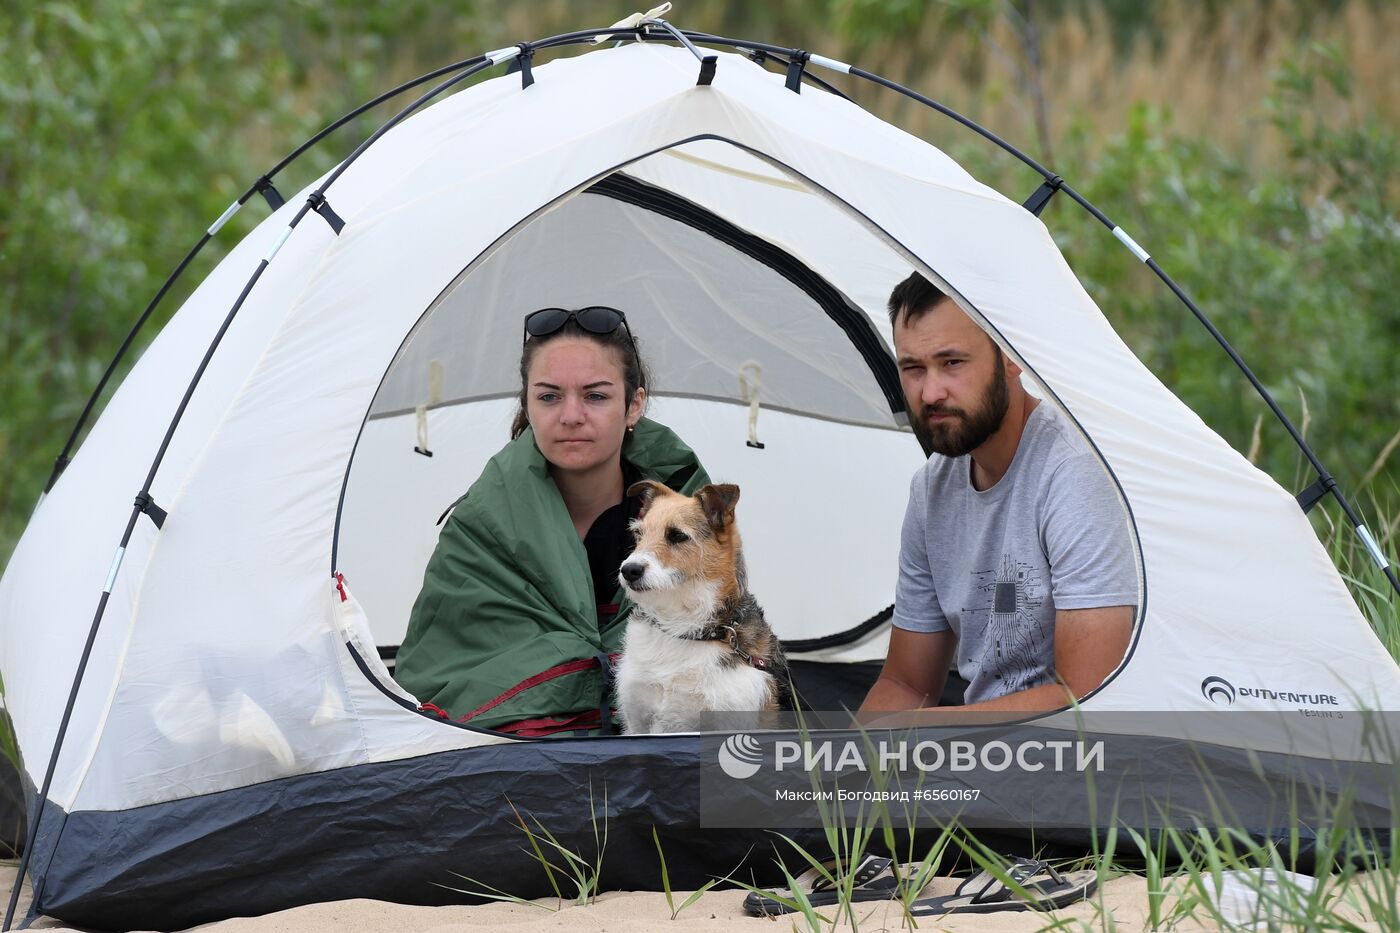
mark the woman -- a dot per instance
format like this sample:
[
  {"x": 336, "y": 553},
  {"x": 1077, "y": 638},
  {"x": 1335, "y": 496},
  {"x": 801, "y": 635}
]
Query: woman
[{"x": 519, "y": 612}]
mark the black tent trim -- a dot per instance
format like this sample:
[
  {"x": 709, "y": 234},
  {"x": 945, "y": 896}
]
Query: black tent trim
[
  {"x": 791, "y": 646},
  {"x": 837, "y": 306}
]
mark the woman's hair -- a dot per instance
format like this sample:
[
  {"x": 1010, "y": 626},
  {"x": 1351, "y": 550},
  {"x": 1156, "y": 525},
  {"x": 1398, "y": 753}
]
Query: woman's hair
[{"x": 634, "y": 371}]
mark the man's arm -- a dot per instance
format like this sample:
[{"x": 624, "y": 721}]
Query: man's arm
[
  {"x": 1089, "y": 644},
  {"x": 915, "y": 670}
]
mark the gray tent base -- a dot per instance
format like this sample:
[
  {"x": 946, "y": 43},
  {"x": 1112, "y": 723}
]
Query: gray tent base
[{"x": 407, "y": 830}]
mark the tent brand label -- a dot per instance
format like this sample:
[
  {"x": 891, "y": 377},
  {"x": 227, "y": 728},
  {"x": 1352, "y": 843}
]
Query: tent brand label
[
  {"x": 1311, "y": 699},
  {"x": 1223, "y": 693}
]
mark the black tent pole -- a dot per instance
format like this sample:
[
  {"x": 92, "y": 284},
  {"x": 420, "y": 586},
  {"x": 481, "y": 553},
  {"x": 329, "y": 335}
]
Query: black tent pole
[
  {"x": 144, "y": 504},
  {"x": 1325, "y": 480},
  {"x": 262, "y": 184},
  {"x": 1326, "y": 483}
]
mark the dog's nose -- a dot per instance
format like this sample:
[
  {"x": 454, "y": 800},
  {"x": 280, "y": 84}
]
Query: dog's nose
[{"x": 632, "y": 571}]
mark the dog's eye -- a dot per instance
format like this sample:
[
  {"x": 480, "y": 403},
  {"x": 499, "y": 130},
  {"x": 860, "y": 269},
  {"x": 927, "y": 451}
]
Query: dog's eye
[{"x": 676, "y": 536}]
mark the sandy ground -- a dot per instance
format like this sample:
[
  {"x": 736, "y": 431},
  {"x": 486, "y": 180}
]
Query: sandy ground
[{"x": 1124, "y": 898}]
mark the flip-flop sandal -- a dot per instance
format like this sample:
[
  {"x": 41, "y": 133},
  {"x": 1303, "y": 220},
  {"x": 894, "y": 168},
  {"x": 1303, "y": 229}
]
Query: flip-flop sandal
[
  {"x": 983, "y": 893},
  {"x": 875, "y": 879}
]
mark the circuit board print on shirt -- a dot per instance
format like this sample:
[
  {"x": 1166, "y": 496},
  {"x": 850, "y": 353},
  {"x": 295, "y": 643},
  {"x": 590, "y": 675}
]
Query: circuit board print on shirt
[{"x": 1013, "y": 637}]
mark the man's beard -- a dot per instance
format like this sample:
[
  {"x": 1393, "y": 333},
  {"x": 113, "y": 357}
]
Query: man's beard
[{"x": 964, "y": 432}]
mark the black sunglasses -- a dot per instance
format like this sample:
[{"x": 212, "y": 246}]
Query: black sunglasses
[{"x": 596, "y": 320}]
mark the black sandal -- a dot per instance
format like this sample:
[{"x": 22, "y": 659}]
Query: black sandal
[
  {"x": 984, "y": 893},
  {"x": 875, "y": 879}
]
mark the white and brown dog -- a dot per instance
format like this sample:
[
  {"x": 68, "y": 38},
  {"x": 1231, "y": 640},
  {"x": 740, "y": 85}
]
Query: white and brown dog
[{"x": 697, "y": 641}]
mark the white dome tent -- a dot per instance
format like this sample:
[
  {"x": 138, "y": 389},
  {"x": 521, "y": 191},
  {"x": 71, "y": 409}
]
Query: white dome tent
[{"x": 230, "y": 694}]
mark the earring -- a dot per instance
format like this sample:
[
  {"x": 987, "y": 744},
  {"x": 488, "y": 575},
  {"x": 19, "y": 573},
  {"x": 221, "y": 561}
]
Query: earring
[{"x": 631, "y": 428}]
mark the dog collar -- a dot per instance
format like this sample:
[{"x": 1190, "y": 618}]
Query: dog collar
[{"x": 730, "y": 635}]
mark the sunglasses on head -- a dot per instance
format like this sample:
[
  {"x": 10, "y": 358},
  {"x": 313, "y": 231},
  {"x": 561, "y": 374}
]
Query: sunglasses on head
[{"x": 596, "y": 320}]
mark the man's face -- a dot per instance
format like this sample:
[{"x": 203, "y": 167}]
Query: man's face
[{"x": 954, "y": 379}]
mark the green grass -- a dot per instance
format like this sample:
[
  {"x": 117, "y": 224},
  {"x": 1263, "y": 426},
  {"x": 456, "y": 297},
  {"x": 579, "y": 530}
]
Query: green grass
[{"x": 563, "y": 867}]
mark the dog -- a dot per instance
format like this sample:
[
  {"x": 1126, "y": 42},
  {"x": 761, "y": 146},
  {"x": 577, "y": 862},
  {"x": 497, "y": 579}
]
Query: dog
[{"x": 697, "y": 641}]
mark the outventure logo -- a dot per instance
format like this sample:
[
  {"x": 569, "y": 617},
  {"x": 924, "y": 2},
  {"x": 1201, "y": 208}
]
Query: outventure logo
[
  {"x": 1218, "y": 690},
  {"x": 1221, "y": 692},
  {"x": 740, "y": 756}
]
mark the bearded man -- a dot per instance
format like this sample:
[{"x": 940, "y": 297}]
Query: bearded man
[{"x": 1015, "y": 552}]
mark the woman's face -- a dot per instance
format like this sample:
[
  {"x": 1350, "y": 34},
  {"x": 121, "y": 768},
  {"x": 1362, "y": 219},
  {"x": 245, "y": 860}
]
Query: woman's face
[{"x": 575, "y": 398}]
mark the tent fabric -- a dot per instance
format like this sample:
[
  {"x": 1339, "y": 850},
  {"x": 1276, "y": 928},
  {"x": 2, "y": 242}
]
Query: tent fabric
[{"x": 226, "y": 656}]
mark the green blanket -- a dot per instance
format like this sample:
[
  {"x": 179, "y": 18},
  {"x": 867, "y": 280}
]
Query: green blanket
[{"x": 505, "y": 631}]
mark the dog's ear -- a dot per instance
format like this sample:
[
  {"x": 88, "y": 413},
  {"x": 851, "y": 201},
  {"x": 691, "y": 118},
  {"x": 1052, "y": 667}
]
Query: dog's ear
[
  {"x": 718, "y": 501},
  {"x": 647, "y": 489}
]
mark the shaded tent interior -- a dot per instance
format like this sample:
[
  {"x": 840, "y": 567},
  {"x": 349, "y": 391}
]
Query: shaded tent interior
[{"x": 724, "y": 317}]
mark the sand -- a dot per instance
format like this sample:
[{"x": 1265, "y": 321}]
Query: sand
[{"x": 1123, "y": 898}]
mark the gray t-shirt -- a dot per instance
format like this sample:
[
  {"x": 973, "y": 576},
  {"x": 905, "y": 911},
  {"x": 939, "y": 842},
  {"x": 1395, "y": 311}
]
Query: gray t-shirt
[{"x": 995, "y": 565}]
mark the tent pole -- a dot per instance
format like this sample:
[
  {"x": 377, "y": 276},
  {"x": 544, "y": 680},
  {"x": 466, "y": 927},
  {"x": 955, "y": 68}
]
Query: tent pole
[
  {"x": 37, "y": 817},
  {"x": 144, "y": 503},
  {"x": 1324, "y": 476},
  {"x": 264, "y": 183}
]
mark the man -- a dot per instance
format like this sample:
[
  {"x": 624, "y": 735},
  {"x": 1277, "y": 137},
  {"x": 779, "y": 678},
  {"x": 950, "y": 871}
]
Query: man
[{"x": 1015, "y": 551}]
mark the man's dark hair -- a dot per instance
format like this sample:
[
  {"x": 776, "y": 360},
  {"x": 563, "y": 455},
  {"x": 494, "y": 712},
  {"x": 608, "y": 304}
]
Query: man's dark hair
[{"x": 913, "y": 298}]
